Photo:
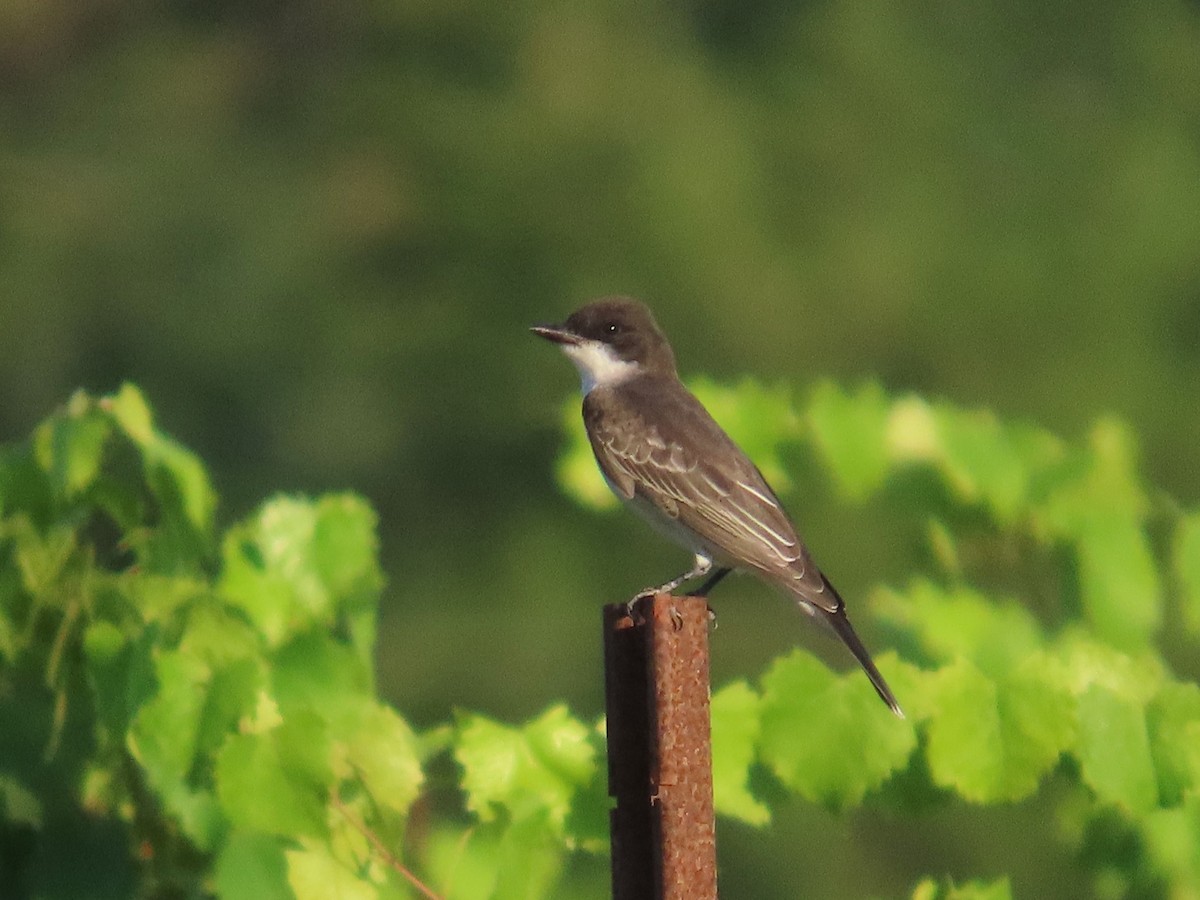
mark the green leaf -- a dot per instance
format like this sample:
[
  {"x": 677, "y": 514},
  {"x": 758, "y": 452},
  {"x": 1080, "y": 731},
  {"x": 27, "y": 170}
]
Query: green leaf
[
  {"x": 1112, "y": 691},
  {"x": 70, "y": 447},
  {"x": 1083, "y": 662},
  {"x": 160, "y": 599},
  {"x": 176, "y": 477},
  {"x": 205, "y": 686},
  {"x": 1114, "y": 749},
  {"x": 562, "y": 744},
  {"x": 269, "y": 570},
  {"x": 121, "y": 672},
  {"x": 735, "y": 728},
  {"x": 1186, "y": 559},
  {"x": 345, "y": 548},
  {"x": 1098, "y": 507},
  {"x": 495, "y": 861},
  {"x": 41, "y": 558},
  {"x": 103, "y": 641},
  {"x": 951, "y": 622},
  {"x": 850, "y": 429},
  {"x": 826, "y": 736},
  {"x": 1172, "y": 838},
  {"x": 131, "y": 411},
  {"x": 971, "y": 890},
  {"x": 185, "y": 479},
  {"x": 496, "y": 763},
  {"x": 1119, "y": 581},
  {"x": 533, "y": 771},
  {"x": 252, "y": 866},
  {"x": 993, "y": 739},
  {"x": 283, "y": 535},
  {"x": 275, "y": 778},
  {"x": 1173, "y": 721},
  {"x": 381, "y": 750},
  {"x": 1041, "y": 453},
  {"x": 1100, "y": 481},
  {"x": 214, "y": 632},
  {"x": 298, "y": 562},
  {"x": 263, "y": 594},
  {"x": 912, "y": 432},
  {"x": 316, "y": 671},
  {"x": 18, "y": 804},
  {"x": 315, "y": 873},
  {"x": 164, "y": 737},
  {"x": 346, "y": 553},
  {"x": 979, "y": 460},
  {"x": 530, "y": 860},
  {"x": 231, "y": 696},
  {"x": 587, "y": 824},
  {"x": 462, "y": 863}
]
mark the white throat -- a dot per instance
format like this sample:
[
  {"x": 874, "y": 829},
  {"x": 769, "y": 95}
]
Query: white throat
[{"x": 598, "y": 365}]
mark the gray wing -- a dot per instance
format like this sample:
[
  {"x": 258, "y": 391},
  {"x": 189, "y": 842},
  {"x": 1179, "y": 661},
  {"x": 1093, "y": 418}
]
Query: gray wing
[{"x": 688, "y": 467}]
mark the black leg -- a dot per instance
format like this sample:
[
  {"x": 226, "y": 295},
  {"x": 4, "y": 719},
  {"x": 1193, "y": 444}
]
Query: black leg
[{"x": 713, "y": 580}]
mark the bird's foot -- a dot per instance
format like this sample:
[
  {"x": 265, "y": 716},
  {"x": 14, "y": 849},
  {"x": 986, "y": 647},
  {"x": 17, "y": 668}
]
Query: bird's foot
[{"x": 631, "y": 604}]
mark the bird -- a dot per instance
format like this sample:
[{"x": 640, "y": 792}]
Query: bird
[{"x": 663, "y": 454}]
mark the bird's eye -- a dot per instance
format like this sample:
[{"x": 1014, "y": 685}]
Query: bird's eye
[{"x": 612, "y": 328}]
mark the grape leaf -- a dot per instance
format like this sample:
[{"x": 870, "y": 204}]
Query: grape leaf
[
  {"x": 735, "y": 728},
  {"x": 850, "y": 430},
  {"x": 827, "y": 736},
  {"x": 526, "y": 771}
]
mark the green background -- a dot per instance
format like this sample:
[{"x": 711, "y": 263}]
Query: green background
[{"x": 315, "y": 234}]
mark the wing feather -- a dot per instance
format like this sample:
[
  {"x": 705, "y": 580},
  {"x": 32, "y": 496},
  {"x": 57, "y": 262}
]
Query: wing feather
[{"x": 720, "y": 497}]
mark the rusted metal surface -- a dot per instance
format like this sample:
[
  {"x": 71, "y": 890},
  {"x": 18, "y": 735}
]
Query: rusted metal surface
[{"x": 659, "y": 750}]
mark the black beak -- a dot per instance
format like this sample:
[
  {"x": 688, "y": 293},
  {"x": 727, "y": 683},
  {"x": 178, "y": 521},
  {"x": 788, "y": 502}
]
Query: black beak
[{"x": 555, "y": 333}]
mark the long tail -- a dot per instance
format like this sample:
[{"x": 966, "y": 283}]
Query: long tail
[{"x": 850, "y": 638}]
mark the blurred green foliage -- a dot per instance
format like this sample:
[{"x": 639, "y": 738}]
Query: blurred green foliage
[
  {"x": 315, "y": 232},
  {"x": 223, "y": 733}
]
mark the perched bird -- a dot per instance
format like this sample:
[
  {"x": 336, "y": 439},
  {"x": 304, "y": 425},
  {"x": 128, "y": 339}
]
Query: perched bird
[{"x": 662, "y": 453}]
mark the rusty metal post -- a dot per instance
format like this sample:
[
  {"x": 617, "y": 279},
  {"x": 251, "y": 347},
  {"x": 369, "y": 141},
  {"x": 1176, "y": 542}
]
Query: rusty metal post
[{"x": 659, "y": 750}]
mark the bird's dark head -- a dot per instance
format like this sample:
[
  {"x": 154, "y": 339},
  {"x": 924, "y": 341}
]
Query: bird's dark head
[{"x": 610, "y": 340}]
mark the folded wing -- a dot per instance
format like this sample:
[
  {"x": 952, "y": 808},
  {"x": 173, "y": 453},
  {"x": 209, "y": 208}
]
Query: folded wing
[{"x": 691, "y": 470}]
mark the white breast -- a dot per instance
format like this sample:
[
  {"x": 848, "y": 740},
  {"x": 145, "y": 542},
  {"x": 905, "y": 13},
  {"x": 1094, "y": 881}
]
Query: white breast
[{"x": 598, "y": 365}]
